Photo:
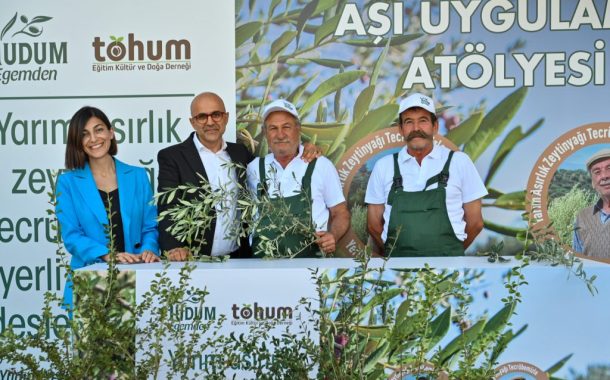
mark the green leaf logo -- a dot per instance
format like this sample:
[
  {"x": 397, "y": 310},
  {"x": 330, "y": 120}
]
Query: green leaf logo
[
  {"x": 28, "y": 28},
  {"x": 8, "y": 26}
]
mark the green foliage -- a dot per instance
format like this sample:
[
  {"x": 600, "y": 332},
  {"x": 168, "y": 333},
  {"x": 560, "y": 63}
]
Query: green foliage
[
  {"x": 562, "y": 211},
  {"x": 359, "y": 226},
  {"x": 565, "y": 180},
  {"x": 108, "y": 335}
]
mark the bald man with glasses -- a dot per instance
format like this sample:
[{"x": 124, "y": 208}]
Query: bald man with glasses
[{"x": 205, "y": 154}]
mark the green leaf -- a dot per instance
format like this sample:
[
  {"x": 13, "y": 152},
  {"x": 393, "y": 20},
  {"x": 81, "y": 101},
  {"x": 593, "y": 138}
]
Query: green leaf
[
  {"x": 281, "y": 42},
  {"x": 504, "y": 230},
  {"x": 376, "y": 119},
  {"x": 439, "y": 327},
  {"x": 251, "y": 5},
  {"x": 379, "y": 63},
  {"x": 376, "y": 356},
  {"x": 332, "y": 63},
  {"x": 377, "y": 331},
  {"x": 23, "y": 19},
  {"x": 272, "y": 6},
  {"x": 494, "y": 123},
  {"x": 321, "y": 113},
  {"x": 461, "y": 341},
  {"x": 304, "y": 17},
  {"x": 363, "y": 102},
  {"x": 513, "y": 138},
  {"x": 399, "y": 91},
  {"x": 245, "y": 31},
  {"x": 403, "y": 309},
  {"x": 395, "y": 41},
  {"x": 324, "y": 131},
  {"x": 34, "y": 29},
  {"x": 339, "y": 138},
  {"x": 511, "y": 201},
  {"x": 503, "y": 342},
  {"x": 557, "y": 366},
  {"x": 379, "y": 299},
  {"x": 331, "y": 85},
  {"x": 8, "y": 26},
  {"x": 40, "y": 19},
  {"x": 296, "y": 94},
  {"x": 464, "y": 132},
  {"x": 324, "y": 5},
  {"x": 498, "y": 322},
  {"x": 326, "y": 29}
]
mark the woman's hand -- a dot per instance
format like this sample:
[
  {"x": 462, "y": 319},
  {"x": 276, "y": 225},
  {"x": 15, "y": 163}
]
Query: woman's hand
[{"x": 124, "y": 258}]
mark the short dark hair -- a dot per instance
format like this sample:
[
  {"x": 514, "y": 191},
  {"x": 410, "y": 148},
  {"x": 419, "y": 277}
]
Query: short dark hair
[
  {"x": 433, "y": 117},
  {"x": 75, "y": 154}
]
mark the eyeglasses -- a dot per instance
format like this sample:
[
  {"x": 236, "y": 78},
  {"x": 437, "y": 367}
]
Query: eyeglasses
[{"x": 203, "y": 117}]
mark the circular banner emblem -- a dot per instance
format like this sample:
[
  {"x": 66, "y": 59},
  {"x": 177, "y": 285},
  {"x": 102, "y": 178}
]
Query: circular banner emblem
[
  {"x": 520, "y": 371},
  {"x": 561, "y": 168}
]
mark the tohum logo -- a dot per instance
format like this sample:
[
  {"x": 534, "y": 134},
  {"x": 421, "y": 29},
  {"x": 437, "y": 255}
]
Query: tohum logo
[
  {"x": 128, "y": 54},
  {"x": 256, "y": 312},
  {"x": 24, "y": 61}
]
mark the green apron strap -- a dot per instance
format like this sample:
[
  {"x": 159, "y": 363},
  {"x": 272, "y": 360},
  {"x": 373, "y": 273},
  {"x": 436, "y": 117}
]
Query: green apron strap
[
  {"x": 306, "y": 182},
  {"x": 396, "y": 181},
  {"x": 262, "y": 186},
  {"x": 443, "y": 177}
]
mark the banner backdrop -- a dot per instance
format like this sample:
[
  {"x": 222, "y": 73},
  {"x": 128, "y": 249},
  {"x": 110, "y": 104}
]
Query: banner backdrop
[
  {"x": 141, "y": 62},
  {"x": 508, "y": 78},
  {"x": 521, "y": 87}
]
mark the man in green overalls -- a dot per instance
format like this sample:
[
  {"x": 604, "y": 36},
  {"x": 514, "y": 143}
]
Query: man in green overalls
[
  {"x": 303, "y": 212},
  {"x": 426, "y": 199}
]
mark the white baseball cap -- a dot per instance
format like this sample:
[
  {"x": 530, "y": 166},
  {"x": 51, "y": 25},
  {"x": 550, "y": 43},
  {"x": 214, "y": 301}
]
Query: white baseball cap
[
  {"x": 280, "y": 105},
  {"x": 417, "y": 100}
]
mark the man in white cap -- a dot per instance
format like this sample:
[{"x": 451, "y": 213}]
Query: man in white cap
[
  {"x": 310, "y": 192},
  {"x": 592, "y": 232},
  {"x": 426, "y": 199},
  {"x": 206, "y": 154}
]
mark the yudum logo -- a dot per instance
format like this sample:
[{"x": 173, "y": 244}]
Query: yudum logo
[{"x": 21, "y": 48}]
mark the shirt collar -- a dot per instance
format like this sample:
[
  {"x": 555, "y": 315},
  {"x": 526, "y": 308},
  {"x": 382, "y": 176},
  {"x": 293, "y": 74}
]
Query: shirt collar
[
  {"x": 404, "y": 156},
  {"x": 599, "y": 208},
  {"x": 200, "y": 147}
]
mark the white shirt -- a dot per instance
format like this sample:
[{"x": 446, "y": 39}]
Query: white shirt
[
  {"x": 464, "y": 185},
  {"x": 326, "y": 189},
  {"x": 220, "y": 178}
]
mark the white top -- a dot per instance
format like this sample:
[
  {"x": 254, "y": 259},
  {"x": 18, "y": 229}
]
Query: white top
[
  {"x": 326, "y": 189},
  {"x": 464, "y": 185},
  {"x": 220, "y": 179}
]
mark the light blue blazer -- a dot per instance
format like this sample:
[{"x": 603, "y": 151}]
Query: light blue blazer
[{"x": 82, "y": 216}]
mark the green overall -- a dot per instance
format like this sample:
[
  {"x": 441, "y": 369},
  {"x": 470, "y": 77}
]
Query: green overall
[
  {"x": 419, "y": 224},
  {"x": 272, "y": 224}
]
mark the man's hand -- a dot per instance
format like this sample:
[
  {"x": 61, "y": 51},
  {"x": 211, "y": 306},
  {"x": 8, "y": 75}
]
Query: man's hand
[
  {"x": 178, "y": 254},
  {"x": 326, "y": 242},
  {"x": 149, "y": 257},
  {"x": 310, "y": 151}
]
